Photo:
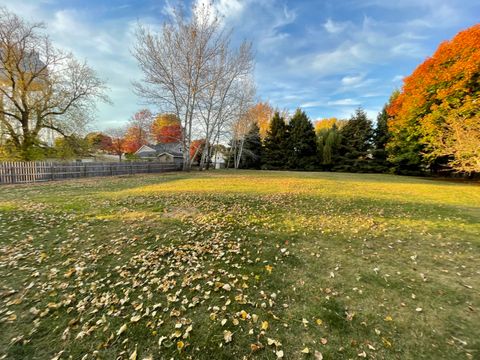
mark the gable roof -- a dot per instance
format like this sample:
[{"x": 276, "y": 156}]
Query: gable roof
[{"x": 174, "y": 149}]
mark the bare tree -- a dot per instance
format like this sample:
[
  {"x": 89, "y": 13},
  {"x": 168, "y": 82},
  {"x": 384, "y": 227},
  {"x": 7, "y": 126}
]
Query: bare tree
[
  {"x": 41, "y": 87},
  {"x": 242, "y": 123},
  {"x": 230, "y": 85},
  {"x": 188, "y": 69}
]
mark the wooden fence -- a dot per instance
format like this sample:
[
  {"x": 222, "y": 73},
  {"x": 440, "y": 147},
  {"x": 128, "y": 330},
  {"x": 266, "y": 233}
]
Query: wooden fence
[{"x": 19, "y": 172}]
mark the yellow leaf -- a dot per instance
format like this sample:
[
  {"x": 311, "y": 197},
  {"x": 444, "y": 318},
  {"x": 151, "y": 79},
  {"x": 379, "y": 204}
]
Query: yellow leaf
[
  {"x": 180, "y": 345},
  {"x": 135, "y": 318},
  {"x": 122, "y": 329},
  {"x": 319, "y": 322},
  {"x": 69, "y": 273},
  {"x": 243, "y": 314},
  {"x": 306, "y": 351},
  {"x": 269, "y": 268},
  {"x": 388, "y": 318},
  {"x": 386, "y": 342},
  {"x": 264, "y": 325},
  {"x": 134, "y": 355}
]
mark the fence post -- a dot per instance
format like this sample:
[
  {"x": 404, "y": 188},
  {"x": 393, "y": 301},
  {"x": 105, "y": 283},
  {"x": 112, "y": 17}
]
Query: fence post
[
  {"x": 13, "y": 173},
  {"x": 84, "y": 170}
]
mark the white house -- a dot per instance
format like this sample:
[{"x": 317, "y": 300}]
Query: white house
[{"x": 219, "y": 160}]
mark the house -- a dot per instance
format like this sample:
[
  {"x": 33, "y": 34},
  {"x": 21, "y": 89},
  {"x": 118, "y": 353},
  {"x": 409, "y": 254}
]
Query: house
[
  {"x": 168, "y": 153},
  {"x": 218, "y": 160}
]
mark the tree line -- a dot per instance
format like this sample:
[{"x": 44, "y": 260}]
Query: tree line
[
  {"x": 430, "y": 126},
  {"x": 294, "y": 143}
]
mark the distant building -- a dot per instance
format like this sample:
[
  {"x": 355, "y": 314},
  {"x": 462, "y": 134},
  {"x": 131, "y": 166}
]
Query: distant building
[
  {"x": 168, "y": 153},
  {"x": 219, "y": 160}
]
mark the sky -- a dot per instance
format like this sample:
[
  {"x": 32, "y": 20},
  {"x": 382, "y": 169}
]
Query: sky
[{"x": 327, "y": 57}]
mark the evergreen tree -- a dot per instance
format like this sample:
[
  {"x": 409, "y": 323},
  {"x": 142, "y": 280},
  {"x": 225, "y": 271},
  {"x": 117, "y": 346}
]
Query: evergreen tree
[
  {"x": 252, "y": 149},
  {"x": 380, "y": 139},
  {"x": 275, "y": 145},
  {"x": 381, "y": 134},
  {"x": 356, "y": 143},
  {"x": 302, "y": 142}
]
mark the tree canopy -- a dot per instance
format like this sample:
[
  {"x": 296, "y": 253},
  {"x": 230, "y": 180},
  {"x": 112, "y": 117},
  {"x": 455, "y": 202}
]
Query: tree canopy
[{"x": 437, "y": 99}]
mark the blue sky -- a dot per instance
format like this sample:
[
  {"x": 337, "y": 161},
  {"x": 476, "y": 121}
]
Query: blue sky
[{"x": 327, "y": 57}]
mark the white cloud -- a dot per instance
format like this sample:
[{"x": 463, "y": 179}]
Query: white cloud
[
  {"x": 344, "y": 102},
  {"x": 408, "y": 49},
  {"x": 352, "y": 80},
  {"x": 397, "y": 78},
  {"x": 334, "y": 27},
  {"x": 311, "y": 104}
]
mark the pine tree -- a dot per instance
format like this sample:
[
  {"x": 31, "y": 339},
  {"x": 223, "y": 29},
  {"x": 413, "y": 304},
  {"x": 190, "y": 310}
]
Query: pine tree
[
  {"x": 275, "y": 145},
  {"x": 381, "y": 134},
  {"x": 380, "y": 139},
  {"x": 356, "y": 143},
  {"x": 302, "y": 142},
  {"x": 252, "y": 149}
]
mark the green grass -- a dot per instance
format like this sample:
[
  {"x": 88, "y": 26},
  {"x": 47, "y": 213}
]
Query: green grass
[{"x": 346, "y": 265}]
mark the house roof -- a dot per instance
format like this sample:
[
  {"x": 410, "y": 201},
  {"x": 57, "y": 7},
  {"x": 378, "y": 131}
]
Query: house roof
[
  {"x": 177, "y": 155},
  {"x": 174, "y": 149}
]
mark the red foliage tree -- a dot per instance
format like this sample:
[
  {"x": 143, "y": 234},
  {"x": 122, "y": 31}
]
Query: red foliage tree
[
  {"x": 138, "y": 132},
  {"x": 99, "y": 141},
  {"x": 196, "y": 149},
  {"x": 166, "y": 128}
]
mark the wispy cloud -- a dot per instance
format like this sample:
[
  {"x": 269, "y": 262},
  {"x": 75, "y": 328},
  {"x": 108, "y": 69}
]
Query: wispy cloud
[{"x": 328, "y": 58}]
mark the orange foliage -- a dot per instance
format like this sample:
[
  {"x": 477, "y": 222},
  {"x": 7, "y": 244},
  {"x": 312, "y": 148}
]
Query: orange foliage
[
  {"x": 134, "y": 139},
  {"x": 261, "y": 113},
  {"x": 166, "y": 128},
  {"x": 196, "y": 149},
  {"x": 138, "y": 132},
  {"x": 448, "y": 80}
]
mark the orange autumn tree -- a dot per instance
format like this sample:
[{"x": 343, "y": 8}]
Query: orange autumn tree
[
  {"x": 440, "y": 97},
  {"x": 261, "y": 113},
  {"x": 196, "y": 149},
  {"x": 166, "y": 128},
  {"x": 138, "y": 131}
]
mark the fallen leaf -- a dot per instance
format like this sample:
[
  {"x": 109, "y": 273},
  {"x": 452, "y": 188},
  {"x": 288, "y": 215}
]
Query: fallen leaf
[
  {"x": 135, "y": 318},
  {"x": 122, "y": 329},
  {"x": 133, "y": 356},
  {"x": 227, "y": 336},
  {"x": 180, "y": 345}
]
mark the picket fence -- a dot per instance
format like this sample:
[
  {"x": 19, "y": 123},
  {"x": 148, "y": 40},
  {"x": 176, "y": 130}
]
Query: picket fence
[{"x": 19, "y": 172}]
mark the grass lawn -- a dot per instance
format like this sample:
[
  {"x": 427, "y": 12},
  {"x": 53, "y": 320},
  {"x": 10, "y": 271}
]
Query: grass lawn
[{"x": 232, "y": 265}]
